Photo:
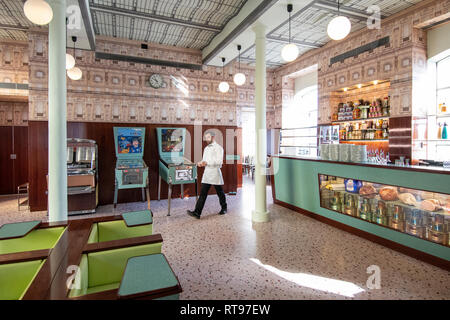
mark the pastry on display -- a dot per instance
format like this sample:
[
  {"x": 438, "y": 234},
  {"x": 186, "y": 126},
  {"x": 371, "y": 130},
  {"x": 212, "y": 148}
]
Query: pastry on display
[
  {"x": 408, "y": 198},
  {"x": 367, "y": 190},
  {"x": 426, "y": 195},
  {"x": 430, "y": 205},
  {"x": 389, "y": 193}
]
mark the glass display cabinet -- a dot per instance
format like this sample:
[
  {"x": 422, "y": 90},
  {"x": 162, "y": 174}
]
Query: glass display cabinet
[{"x": 418, "y": 213}]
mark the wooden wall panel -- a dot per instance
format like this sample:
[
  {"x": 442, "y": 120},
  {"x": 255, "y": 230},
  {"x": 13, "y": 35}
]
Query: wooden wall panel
[
  {"x": 21, "y": 151},
  {"x": 102, "y": 133},
  {"x": 6, "y": 164},
  {"x": 400, "y": 137}
]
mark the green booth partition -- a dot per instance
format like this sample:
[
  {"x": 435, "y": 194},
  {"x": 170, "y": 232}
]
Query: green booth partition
[
  {"x": 117, "y": 230},
  {"x": 37, "y": 239},
  {"x": 102, "y": 270},
  {"x": 133, "y": 224},
  {"x": 15, "y": 278}
]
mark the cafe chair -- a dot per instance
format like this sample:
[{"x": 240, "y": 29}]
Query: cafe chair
[
  {"x": 100, "y": 270},
  {"x": 15, "y": 278},
  {"x": 28, "y": 236}
]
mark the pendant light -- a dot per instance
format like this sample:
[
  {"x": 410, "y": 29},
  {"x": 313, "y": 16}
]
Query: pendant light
[
  {"x": 38, "y": 11},
  {"x": 290, "y": 51},
  {"x": 239, "y": 78},
  {"x": 223, "y": 86},
  {"x": 70, "y": 60},
  {"x": 74, "y": 73},
  {"x": 339, "y": 27}
]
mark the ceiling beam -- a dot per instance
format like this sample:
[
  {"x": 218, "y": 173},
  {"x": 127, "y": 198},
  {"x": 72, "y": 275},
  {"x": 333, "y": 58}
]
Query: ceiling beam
[
  {"x": 349, "y": 12},
  {"x": 262, "y": 7},
  {"x": 152, "y": 17},
  {"x": 13, "y": 27},
  {"x": 297, "y": 42}
]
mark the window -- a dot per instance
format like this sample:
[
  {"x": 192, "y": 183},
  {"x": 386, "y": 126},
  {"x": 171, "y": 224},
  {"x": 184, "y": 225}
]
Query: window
[
  {"x": 299, "y": 133},
  {"x": 248, "y": 132},
  {"x": 442, "y": 149}
]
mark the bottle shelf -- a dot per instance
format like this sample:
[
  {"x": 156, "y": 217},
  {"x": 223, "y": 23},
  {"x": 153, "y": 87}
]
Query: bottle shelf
[
  {"x": 357, "y": 120},
  {"x": 371, "y": 140}
]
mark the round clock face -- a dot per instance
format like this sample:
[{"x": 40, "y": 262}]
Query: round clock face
[{"x": 156, "y": 81}]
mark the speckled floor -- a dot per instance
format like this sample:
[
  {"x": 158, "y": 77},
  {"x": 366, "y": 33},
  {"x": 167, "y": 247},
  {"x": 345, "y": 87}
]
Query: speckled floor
[{"x": 291, "y": 257}]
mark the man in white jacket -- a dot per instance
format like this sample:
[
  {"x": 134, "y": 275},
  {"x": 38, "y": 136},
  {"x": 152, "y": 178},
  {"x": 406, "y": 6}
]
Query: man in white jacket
[{"x": 212, "y": 161}]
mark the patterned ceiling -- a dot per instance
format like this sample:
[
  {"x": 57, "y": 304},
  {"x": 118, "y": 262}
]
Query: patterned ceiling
[
  {"x": 183, "y": 23},
  {"x": 194, "y": 23}
]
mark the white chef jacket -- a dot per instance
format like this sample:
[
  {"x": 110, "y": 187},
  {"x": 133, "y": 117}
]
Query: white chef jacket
[{"x": 213, "y": 155}]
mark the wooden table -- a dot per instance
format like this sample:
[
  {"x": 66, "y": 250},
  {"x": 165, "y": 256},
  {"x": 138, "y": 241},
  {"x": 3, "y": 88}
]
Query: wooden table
[{"x": 137, "y": 283}]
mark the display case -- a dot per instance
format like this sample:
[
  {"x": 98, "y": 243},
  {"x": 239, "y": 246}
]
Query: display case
[
  {"x": 299, "y": 141},
  {"x": 419, "y": 213}
]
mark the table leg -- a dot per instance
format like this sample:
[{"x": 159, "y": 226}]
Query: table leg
[
  {"x": 148, "y": 194},
  {"x": 143, "y": 194},
  {"x": 116, "y": 190},
  {"x": 169, "y": 196},
  {"x": 182, "y": 191},
  {"x": 159, "y": 187}
]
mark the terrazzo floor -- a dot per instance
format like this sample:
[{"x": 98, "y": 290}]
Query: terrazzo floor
[{"x": 291, "y": 257}]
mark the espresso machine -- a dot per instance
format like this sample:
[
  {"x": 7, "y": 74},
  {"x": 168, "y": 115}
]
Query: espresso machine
[{"x": 82, "y": 176}]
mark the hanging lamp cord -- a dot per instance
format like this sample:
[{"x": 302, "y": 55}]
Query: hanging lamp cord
[{"x": 289, "y": 9}]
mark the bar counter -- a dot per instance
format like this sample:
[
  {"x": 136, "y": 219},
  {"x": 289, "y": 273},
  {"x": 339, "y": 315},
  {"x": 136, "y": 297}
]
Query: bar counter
[{"x": 298, "y": 184}]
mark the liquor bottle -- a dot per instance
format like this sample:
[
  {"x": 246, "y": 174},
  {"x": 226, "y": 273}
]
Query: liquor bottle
[
  {"x": 439, "y": 134},
  {"x": 444, "y": 131}
]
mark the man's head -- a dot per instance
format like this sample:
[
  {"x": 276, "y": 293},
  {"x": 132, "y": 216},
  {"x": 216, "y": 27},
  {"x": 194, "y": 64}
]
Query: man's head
[{"x": 209, "y": 136}]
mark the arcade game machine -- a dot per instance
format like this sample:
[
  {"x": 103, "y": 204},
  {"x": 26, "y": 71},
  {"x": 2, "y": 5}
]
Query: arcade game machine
[
  {"x": 174, "y": 168},
  {"x": 131, "y": 171}
]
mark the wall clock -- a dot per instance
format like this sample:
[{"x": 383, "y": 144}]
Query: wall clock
[{"x": 156, "y": 81}]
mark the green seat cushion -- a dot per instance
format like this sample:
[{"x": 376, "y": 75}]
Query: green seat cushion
[
  {"x": 15, "y": 278},
  {"x": 137, "y": 218},
  {"x": 116, "y": 230},
  {"x": 146, "y": 274},
  {"x": 18, "y": 229},
  {"x": 107, "y": 267},
  {"x": 38, "y": 239}
]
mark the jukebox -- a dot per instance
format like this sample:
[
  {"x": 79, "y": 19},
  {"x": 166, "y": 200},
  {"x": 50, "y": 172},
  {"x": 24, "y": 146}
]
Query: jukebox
[
  {"x": 174, "y": 168},
  {"x": 131, "y": 171},
  {"x": 82, "y": 176}
]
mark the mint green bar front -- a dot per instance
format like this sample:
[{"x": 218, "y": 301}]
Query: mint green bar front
[{"x": 297, "y": 183}]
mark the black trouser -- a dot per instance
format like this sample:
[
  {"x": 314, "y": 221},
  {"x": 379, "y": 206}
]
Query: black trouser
[{"x": 204, "y": 194}]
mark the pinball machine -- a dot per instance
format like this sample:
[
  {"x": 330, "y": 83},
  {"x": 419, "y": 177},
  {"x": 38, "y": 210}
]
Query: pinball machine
[
  {"x": 174, "y": 168},
  {"x": 131, "y": 171}
]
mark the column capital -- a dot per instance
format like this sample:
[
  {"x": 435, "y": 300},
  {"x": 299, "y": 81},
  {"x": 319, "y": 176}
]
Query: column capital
[{"x": 259, "y": 29}]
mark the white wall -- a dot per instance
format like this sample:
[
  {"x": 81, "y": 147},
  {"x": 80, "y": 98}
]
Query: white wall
[
  {"x": 438, "y": 39},
  {"x": 306, "y": 80}
]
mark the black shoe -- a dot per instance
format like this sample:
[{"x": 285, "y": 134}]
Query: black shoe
[
  {"x": 223, "y": 211},
  {"x": 193, "y": 214}
]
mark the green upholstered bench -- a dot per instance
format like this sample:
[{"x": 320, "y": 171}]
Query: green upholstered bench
[
  {"x": 36, "y": 239},
  {"x": 15, "y": 278},
  {"x": 134, "y": 224},
  {"x": 101, "y": 271}
]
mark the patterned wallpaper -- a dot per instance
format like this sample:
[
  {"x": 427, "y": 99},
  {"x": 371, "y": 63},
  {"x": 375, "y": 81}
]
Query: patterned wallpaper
[
  {"x": 14, "y": 66},
  {"x": 117, "y": 91},
  {"x": 402, "y": 62}
]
